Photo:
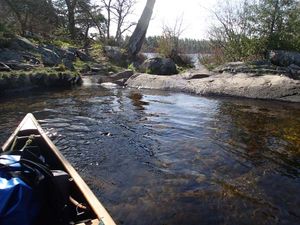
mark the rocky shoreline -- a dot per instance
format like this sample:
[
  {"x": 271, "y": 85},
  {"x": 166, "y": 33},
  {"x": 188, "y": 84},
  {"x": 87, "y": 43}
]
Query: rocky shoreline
[
  {"x": 205, "y": 83},
  {"x": 26, "y": 65},
  {"x": 28, "y": 80}
]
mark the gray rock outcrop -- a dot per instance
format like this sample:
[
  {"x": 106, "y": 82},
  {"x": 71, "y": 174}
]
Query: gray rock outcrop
[
  {"x": 4, "y": 67},
  {"x": 49, "y": 57},
  {"x": 8, "y": 55},
  {"x": 83, "y": 56},
  {"x": 15, "y": 65},
  {"x": 22, "y": 43},
  {"x": 268, "y": 86},
  {"x": 126, "y": 74},
  {"x": 284, "y": 58},
  {"x": 23, "y": 54},
  {"x": 114, "y": 53},
  {"x": 160, "y": 66},
  {"x": 68, "y": 64},
  {"x": 118, "y": 78}
]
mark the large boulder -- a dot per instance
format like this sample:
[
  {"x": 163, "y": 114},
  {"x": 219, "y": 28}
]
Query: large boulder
[
  {"x": 159, "y": 66},
  {"x": 21, "y": 43},
  {"x": 16, "y": 65},
  {"x": 49, "y": 57},
  {"x": 294, "y": 71},
  {"x": 83, "y": 56},
  {"x": 119, "y": 78},
  {"x": 62, "y": 79},
  {"x": 68, "y": 64},
  {"x": 122, "y": 75},
  {"x": 30, "y": 58},
  {"x": 284, "y": 58},
  {"x": 256, "y": 67},
  {"x": 8, "y": 55},
  {"x": 69, "y": 55},
  {"x": 114, "y": 53},
  {"x": 59, "y": 51}
]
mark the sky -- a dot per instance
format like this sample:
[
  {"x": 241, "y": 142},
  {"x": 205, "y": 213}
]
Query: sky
[{"x": 195, "y": 14}]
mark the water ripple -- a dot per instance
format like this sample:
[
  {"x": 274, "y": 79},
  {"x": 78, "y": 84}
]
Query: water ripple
[{"x": 164, "y": 158}]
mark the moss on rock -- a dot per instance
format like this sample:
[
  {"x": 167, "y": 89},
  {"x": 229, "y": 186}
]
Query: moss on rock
[{"x": 42, "y": 78}]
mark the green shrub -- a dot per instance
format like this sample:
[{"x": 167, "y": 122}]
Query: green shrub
[
  {"x": 212, "y": 61},
  {"x": 63, "y": 43},
  {"x": 61, "y": 68},
  {"x": 132, "y": 67},
  {"x": 96, "y": 51}
]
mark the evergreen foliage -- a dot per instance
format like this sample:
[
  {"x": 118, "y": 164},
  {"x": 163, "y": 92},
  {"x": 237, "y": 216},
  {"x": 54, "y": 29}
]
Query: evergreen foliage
[
  {"x": 248, "y": 30},
  {"x": 185, "y": 45}
]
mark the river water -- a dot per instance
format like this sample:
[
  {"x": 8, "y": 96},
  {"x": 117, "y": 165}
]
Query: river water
[{"x": 160, "y": 158}]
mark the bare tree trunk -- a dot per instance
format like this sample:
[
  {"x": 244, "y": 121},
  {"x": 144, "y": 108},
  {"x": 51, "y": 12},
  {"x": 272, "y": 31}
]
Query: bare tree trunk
[
  {"x": 108, "y": 8},
  {"x": 137, "y": 38},
  {"x": 71, "y": 4},
  {"x": 86, "y": 36},
  {"x": 108, "y": 19}
]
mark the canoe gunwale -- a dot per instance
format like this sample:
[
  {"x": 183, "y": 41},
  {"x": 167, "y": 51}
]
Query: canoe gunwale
[{"x": 94, "y": 203}]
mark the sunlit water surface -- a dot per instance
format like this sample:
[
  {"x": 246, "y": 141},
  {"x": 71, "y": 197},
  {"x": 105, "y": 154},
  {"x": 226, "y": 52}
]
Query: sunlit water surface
[{"x": 174, "y": 159}]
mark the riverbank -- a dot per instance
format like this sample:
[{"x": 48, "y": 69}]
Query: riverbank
[
  {"x": 206, "y": 83},
  {"x": 24, "y": 80},
  {"x": 25, "y": 64},
  {"x": 29, "y": 63}
]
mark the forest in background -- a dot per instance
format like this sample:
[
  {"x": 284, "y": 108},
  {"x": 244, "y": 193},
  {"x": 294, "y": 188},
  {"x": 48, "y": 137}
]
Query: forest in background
[
  {"x": 248, "y": 30},
  {"x": 244, "y": 30},
  {"x": 81, "y": 21},
  {"x": 185, "y": 45}
]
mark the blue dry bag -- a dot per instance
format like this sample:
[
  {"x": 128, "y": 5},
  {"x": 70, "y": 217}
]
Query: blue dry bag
[{"x": 18, "y": 204}]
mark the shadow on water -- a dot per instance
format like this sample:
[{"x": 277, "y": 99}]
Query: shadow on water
[{"x": 174, "y": 158}]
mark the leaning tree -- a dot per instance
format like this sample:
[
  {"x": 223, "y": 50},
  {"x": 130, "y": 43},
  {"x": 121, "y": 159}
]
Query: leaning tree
[{"x": 137, "y": 38}]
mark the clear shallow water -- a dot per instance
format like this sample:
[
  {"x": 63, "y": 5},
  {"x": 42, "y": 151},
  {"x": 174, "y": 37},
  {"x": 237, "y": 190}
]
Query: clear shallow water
[{"x": 174, "y": 158}]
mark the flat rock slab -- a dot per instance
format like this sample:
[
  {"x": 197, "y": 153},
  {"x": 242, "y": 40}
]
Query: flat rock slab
[{"x": 273, "y": 87}]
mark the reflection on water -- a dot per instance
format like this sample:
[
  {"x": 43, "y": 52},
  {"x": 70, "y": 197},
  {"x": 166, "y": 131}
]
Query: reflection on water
[{"x": 174, "y": 158}]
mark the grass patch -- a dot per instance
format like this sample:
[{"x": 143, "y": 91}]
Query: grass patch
[
  {"x": 211, "y": 61},
  {"x": 96, "y": 52},
  {"x": 64, "y": 43},
  {"x": 132, "y": 67},
  {"x": 114, "y": 68},
  {"x": 44, "y": 71},
  {"x": 78, "y": 64}
]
